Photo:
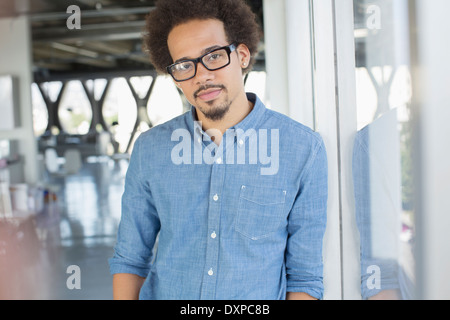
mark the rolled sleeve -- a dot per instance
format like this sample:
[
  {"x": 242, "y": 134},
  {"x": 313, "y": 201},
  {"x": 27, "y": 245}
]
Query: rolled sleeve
[
  {"x": 139, "y": 223},
  {"x": 118, "y": 264},
  {"x": 306, "y": 228}
]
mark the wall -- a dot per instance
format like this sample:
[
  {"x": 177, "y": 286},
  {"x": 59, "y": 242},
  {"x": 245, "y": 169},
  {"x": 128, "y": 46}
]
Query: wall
[{"x": 15, "y": 60}]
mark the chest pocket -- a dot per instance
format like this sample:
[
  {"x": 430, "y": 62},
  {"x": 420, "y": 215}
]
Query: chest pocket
[{"x": 260, "y": 211}]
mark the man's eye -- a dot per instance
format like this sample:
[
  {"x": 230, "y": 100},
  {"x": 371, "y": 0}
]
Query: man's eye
[
  {"x": 183, "y": 67},
  {"x": 214, "y": 56}
]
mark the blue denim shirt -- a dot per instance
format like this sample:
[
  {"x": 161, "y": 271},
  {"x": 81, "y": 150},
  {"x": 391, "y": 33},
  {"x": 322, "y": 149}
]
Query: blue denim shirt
[{"x": 243, "y": 220}]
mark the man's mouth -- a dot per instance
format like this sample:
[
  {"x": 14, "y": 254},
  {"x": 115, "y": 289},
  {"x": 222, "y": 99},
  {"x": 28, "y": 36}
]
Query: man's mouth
[{"x": 208, "y": 94}]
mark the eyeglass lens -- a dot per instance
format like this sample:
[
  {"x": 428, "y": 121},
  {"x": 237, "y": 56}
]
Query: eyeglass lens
[{"x": 212, "y": 61}]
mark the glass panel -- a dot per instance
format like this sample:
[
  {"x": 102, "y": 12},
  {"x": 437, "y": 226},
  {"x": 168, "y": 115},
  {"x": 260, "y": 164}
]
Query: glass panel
[
  {"x": 382, "y": 171},
  {"x": 40, "y": 112},
  {"x": 120, "y": 112},
  {"x": 97, "y": 86},
  {"x": 165, "y": 102},
  {"x": 75, "y": 111},
  {"x": 141, "y": 85},
  {"x": 52, "y": 88}
]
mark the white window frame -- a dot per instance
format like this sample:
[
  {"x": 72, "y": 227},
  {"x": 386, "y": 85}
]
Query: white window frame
[{"x": 335, "y": 109}]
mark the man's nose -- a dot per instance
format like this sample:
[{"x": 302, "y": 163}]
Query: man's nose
[{"x": 203, "y": 75}]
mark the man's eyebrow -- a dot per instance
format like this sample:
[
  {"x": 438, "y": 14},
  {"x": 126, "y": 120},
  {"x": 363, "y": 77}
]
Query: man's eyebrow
[{"x": 204, "y": 51}]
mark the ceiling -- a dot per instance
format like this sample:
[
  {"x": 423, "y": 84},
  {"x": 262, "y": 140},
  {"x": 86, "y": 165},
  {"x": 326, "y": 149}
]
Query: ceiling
[{"x": 108, "y": 44}]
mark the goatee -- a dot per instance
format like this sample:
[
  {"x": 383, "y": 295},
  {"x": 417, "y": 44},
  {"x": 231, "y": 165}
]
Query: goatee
[{"x": 216, "y": 113}]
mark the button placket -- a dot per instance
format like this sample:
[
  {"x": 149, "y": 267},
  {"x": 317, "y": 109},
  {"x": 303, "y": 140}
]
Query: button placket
[{"x": 212, "y": 244}]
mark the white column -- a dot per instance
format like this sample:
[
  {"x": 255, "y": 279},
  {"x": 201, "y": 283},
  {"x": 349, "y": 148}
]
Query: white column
[
  {"x": 16, "y": 60},
  {"x": 326, "y": 119},
  {"x": 275, "y": 55},
  {"x": 288, "y": 58},
  {"x": 347, "y": 127},
  {"x": 299, "y": 62}
]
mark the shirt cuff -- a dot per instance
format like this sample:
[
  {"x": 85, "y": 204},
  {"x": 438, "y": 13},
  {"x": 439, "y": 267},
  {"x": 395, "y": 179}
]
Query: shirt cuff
[
  {"x": 120, "y": 267},
  {"x": 312, "y": 287}
]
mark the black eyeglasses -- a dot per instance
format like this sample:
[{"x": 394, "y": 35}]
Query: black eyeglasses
[{"x": 214, "y": 60}]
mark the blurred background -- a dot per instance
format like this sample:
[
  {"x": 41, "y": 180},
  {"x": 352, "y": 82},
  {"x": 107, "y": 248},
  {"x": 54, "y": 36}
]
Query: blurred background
[{"x": 372, "y": 77}]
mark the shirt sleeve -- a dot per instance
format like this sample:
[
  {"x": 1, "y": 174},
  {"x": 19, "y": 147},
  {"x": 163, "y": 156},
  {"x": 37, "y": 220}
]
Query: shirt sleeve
[
  {"x": 306, "y": 227},
  {"x": 139, "y": 223}
]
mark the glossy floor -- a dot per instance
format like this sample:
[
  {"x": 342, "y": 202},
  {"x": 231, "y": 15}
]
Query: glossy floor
[{"x": 89, "y": 204}]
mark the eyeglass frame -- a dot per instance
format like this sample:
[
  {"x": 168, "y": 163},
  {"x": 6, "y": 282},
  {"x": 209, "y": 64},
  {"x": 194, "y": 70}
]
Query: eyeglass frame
[{"x": 229, "y": 49}]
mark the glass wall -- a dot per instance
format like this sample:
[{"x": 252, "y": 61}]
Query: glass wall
[
  {"x": 382, "y": 160},
  {"x": 363, "y": 105}
]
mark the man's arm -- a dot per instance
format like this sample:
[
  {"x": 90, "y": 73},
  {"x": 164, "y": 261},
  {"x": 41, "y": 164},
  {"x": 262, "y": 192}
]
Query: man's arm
[
  {"x": 126, "y": 286},
  {"x": 137, "y": 232},
  {"x": 299, "y": 296},
  {"x": 306, "y": 228}
]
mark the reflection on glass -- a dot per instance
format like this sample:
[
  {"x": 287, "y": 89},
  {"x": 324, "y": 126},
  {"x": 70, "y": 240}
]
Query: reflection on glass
[{"x": 382, "y": 151}]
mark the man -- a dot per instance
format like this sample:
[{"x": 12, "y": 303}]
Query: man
[{"x": 233, "y": 222}]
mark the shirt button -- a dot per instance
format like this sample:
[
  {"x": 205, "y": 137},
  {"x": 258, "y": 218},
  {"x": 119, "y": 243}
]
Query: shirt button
[
  {"x": 210, "y": 272},
  {"x": 213, "y": 235},
  {"x": 219, "y": 160},
  {"x": 241, "y": 142},
  {"x": 216, "y": 197}
]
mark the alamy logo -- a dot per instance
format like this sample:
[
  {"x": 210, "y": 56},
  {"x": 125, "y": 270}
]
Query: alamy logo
[
  {"x": 253, "y": 147},
  {"x": 74, "y": 21},
  {"x": 374, "y": 280},
  {"x": 374, "y": 20},
  {"x": 74, "y": 280}
]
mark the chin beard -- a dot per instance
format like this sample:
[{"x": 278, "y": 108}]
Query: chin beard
[{"x": 216, "y": 113}]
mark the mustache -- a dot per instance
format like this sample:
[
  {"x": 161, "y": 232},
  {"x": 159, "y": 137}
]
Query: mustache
[{"x": 208, "y": 86}]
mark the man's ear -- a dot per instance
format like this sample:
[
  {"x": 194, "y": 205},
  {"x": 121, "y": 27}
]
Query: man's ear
[{"x": 244, "y": 55}]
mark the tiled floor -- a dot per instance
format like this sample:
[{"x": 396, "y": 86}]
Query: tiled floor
[{"x": 89, "y": 203}]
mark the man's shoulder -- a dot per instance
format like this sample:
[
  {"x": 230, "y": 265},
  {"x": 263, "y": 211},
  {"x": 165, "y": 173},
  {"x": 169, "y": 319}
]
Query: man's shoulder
[{"x": 292, "y": 127}]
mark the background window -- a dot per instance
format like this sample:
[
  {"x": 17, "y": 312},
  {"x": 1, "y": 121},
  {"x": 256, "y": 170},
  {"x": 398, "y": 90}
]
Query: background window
[
  {"x": 382, "y": 169},
  {"x": 75, "y": 112},
  {"x": 40, "y": 112},
  {"x": 165, "y": 101},
  {"x": 120, "y": 112}
]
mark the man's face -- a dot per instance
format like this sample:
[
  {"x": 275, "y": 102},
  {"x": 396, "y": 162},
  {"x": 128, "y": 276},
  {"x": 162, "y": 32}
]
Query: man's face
[{"x": 211, "y": 92}]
